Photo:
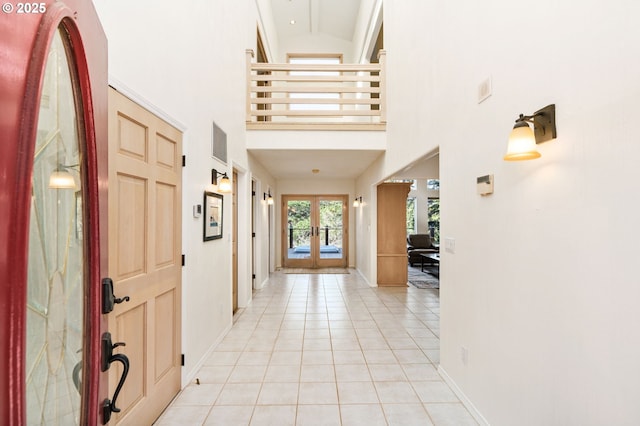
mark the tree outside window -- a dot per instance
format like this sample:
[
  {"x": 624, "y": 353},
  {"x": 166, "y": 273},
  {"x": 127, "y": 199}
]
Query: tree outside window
[{"x": 411, "y": 215}]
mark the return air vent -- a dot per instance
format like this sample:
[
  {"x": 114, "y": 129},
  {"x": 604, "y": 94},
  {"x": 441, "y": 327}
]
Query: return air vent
[{"x": 219, "y": 144}]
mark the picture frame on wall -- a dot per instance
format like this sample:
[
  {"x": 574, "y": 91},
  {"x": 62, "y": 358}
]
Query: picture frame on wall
[{"x": 213, "y": 216}]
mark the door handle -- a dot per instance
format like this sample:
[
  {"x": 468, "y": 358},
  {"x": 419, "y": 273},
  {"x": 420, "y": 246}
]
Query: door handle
[
  {"x": 75, "y": 375},
  {"x": 109, "y": 299},
  {"x": 109, "y": 406}
]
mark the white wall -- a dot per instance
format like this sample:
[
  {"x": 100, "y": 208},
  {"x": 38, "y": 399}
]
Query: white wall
[
  {"x": 184, "y": 59},
  {"x": 366, "y": 236},
  {"x": 366, "y": 29},
  {"x": 542, "y": 288},
  {"x": 265, "y": 223}
]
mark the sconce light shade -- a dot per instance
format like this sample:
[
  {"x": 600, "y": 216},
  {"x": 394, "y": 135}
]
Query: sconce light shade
[
  {"x": 268, "y": 198},
  {"x": 225, "y": 184},
  {"x": 522, "y": 143},
  {"x": 523, "y": 140},
  {"x": 357, "y": 202},
  {"x": 61, "y": 179}
]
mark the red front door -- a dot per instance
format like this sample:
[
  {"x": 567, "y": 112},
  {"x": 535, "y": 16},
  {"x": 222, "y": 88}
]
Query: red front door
[{"x": 53, "y": 249}]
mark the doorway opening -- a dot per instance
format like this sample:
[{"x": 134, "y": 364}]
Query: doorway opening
[{"x": 315, "y": 231}]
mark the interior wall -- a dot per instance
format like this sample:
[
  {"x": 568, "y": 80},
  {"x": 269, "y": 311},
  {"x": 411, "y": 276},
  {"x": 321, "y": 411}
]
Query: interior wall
[
  {"x": 366, "y": 217},
  {"x": 184, "y": 60},
  {"x": 267, "y": 28},
  {"x": 316, "y": 187},
  {"x": 367, "y": 26},
  {"x": 538, "y": 315},
  {"x": 265, "y": 242}
]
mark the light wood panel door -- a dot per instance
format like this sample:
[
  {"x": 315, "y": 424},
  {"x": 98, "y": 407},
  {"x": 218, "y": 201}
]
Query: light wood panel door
[
  {"x": 145, "y": 170},
  {"x": 392, "y": 234}
]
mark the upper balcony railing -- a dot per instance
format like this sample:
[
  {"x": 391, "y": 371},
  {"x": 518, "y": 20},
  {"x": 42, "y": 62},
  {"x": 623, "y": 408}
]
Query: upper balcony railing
[{"x": 316, "y": 97}]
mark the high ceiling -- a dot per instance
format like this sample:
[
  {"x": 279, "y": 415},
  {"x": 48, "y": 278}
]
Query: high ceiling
[
  {"x": 329, "y": 18},
  {"x": 336, "y": 18}
]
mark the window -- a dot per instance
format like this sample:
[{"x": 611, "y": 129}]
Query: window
[
  {"x": 411, "y": 215},
  {"x": 433, "y": 184},
  {"x": 433, "y": 209},
  {"x": 322, "y": 105}
]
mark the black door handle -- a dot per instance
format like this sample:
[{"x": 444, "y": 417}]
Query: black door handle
[
  {"x": 125, "y": 363},
  {"x": 77, "y": 380},
  {"x": 109, "y": 299},
  {"x": 108, "y": 357}
]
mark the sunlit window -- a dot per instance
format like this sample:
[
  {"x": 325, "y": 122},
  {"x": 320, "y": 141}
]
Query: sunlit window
[{"x": 322, "y": 104}]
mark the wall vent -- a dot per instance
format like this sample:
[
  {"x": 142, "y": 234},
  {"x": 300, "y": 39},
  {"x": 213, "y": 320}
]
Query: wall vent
[{"x": 219, "y": 144}]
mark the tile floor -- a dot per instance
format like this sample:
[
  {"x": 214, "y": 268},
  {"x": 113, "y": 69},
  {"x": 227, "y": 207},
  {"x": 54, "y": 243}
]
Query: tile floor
[{"x": 325, "y": 349}]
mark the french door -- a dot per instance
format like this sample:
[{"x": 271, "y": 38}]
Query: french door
[
  {"x": 53, "y": 215},
  {"x": 315, "y": 231}
]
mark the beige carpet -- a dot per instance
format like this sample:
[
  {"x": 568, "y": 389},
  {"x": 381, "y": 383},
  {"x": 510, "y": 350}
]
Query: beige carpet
[{"x": 315, "y": 271}]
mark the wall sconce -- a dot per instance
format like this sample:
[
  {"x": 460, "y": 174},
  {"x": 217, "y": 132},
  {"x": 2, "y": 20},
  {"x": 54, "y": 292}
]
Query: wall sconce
[
  {"x": 61, "y": 178},
  {"x": 268, "y": 198},
  {"x": 522, "y": 140},
  {"x": 225, "y": 184},
  {"x": 357, "y": 202}
]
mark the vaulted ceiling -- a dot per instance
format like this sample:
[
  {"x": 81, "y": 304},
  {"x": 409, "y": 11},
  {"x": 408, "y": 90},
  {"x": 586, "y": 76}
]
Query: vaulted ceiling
[
  {"x": 330, "y": 19},
  {"x": 336, "y": 18}
]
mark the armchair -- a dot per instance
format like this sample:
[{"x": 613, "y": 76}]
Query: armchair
[{"x": 418, "y": 244}]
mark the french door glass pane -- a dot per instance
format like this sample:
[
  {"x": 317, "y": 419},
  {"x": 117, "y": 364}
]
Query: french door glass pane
[
  {"x": 299, "y": 229},
  {"x": 55, "y": 292},
  {"x": 330, "y": 231}
]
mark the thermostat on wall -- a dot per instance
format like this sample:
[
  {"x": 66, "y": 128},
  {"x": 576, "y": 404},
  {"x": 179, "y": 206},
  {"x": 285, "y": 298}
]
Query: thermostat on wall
[
  {"x": 197, "y": 210},
  {"x": 485, "y": 184}
]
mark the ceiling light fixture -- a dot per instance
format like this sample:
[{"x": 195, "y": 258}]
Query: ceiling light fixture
[
  {"x": 292, "y": 22},
  {"x": 523, "y": 140}
]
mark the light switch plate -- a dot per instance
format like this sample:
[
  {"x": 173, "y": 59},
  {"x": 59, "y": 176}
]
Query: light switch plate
[
  {"x": 450, "y": 244},
  {"x": 484, "y": 184}
]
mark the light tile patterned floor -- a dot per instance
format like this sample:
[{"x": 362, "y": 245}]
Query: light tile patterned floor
[{"x": 315, "y": 349}]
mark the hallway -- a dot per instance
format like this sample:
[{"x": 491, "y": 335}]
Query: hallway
[{"x": 325, "y": 349}]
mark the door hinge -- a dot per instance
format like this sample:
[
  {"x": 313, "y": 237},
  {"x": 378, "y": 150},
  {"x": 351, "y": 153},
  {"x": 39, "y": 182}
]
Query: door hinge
[
  {"x": 253, "y": 193},
  {"x": 184, "y": 160},
  {"x": 253, "y": 276},
  {"x": 253, "y": 234},
  {"x": 183, "y": 259},
  {"x": 182, "y": 360}
]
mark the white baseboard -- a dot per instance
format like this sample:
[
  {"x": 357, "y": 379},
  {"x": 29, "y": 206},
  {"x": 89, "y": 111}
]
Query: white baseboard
[
  {"x": 364, "y": 278},
  {"x": 262, "y": 284},
  {"x": 463, "y": 398},
  {"x": 188, "y": 377}
]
